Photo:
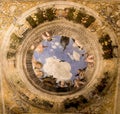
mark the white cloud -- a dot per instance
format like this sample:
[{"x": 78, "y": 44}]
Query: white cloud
[
  {"x": 70, "y": 56},
  {"x": 57, "y": 44},
  {"x": 76, "y": 56},
  {"x": 53, "y": 46},
  {"x": 59, "y": 70}
]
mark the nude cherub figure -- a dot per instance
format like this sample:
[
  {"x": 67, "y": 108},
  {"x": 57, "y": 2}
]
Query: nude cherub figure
[
  {"x": 90, "y": 60},
  {"x": 46, "y": 36},
  {"x": 78, "y": 82}
]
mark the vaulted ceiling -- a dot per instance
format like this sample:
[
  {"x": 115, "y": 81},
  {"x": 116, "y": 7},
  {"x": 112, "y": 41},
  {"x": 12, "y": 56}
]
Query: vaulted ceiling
[{"x": 93, "y": 25}]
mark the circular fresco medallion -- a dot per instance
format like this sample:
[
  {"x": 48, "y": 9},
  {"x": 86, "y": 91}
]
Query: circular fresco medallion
[{"x": 60, "y": 61}]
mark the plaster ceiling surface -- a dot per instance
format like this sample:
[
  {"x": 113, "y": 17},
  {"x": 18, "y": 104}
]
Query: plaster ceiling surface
[{"x": 59, "y": 56}]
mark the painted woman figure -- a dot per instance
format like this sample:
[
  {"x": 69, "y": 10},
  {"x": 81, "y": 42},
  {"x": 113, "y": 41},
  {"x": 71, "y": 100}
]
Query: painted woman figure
[{"x": 64, "y": 42}]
